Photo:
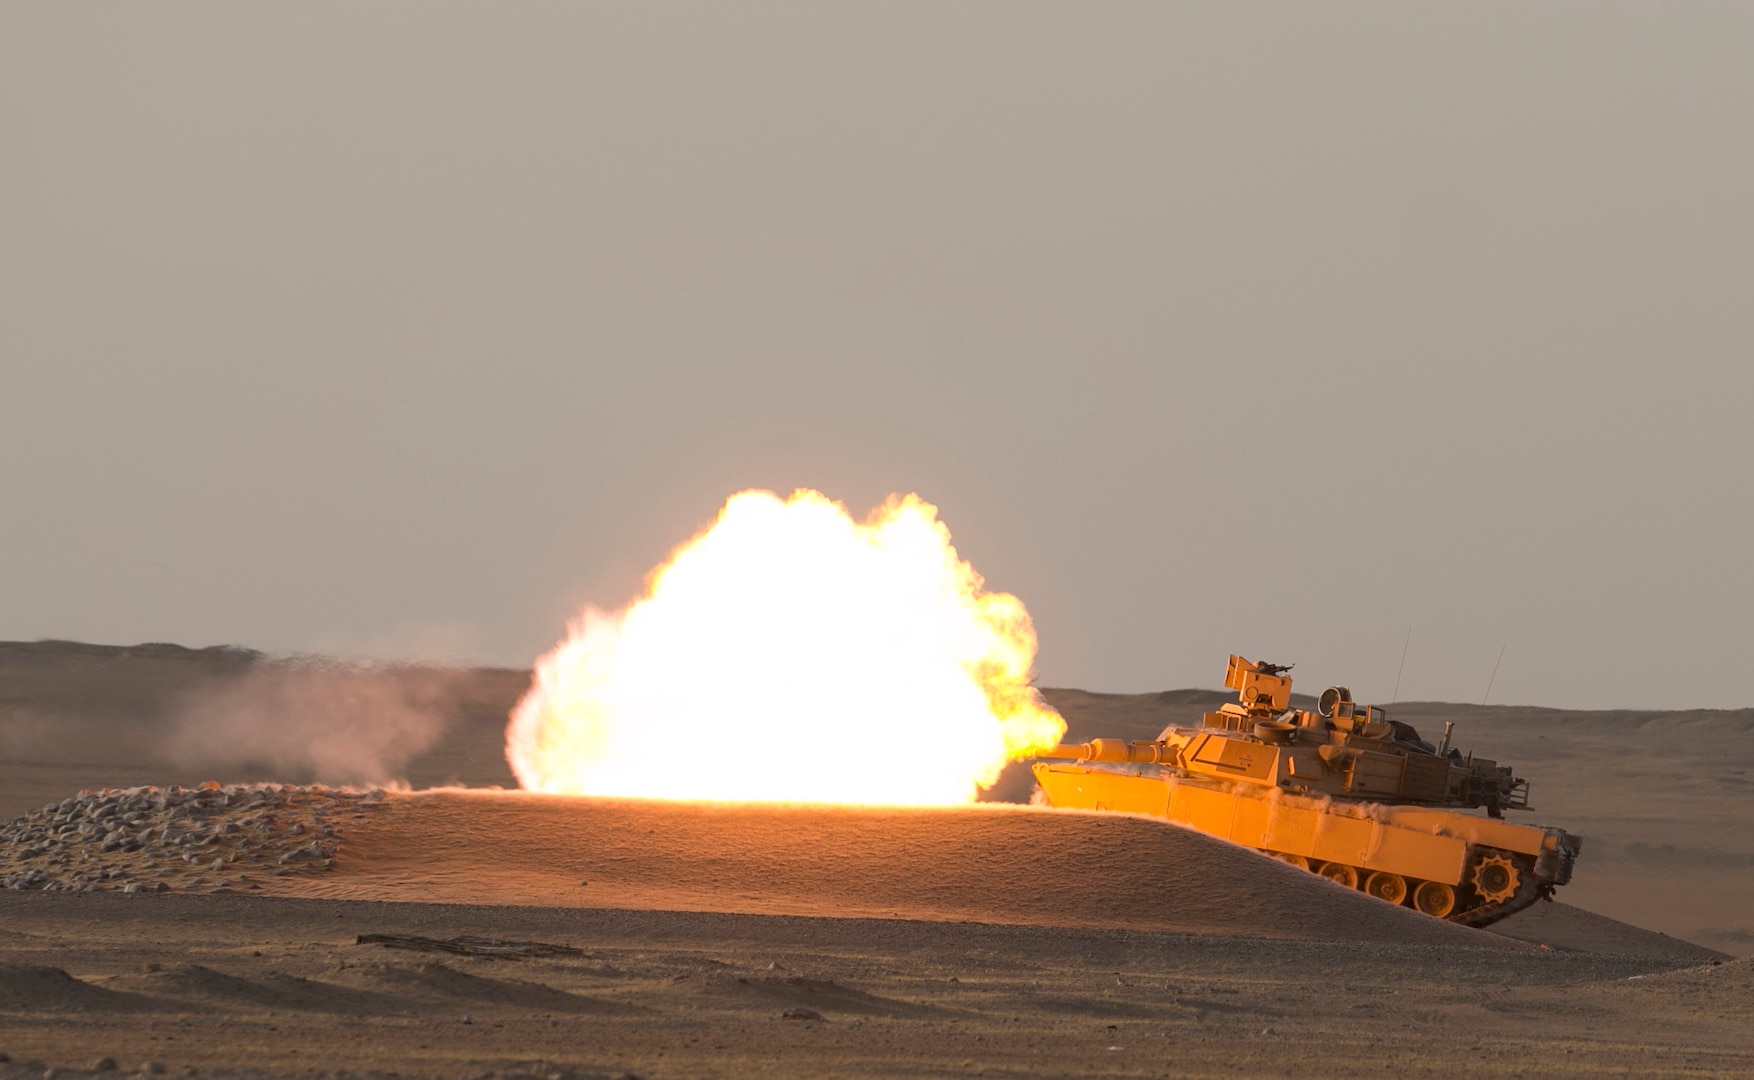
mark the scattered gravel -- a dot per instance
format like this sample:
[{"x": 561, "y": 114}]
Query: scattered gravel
[{"x": 214, "y": 838}]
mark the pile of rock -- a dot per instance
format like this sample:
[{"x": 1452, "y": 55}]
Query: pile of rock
[{"x": 214, "y": 837}]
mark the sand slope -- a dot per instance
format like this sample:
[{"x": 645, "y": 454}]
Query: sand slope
[
  {"x": 1563, "y": 926},
  {"x": 994, "y": 864}
]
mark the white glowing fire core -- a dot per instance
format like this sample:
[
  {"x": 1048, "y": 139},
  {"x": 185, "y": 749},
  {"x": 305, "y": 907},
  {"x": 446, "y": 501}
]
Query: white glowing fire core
[{"x": 789, "y": 653}]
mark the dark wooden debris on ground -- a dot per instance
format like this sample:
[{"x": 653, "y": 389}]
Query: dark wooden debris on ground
[{"x": 470, "y": 946}]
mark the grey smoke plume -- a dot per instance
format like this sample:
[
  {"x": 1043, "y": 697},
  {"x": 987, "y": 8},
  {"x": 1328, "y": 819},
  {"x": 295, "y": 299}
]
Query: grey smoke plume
[{"x": 314, "y": 719}]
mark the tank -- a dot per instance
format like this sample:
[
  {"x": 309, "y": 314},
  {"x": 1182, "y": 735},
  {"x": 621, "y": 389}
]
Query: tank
[{"x": 1343, "y": 791}]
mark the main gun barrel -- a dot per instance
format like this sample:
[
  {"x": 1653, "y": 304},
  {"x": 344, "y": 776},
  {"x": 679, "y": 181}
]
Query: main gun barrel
[{"x": 1147, "y": 752}]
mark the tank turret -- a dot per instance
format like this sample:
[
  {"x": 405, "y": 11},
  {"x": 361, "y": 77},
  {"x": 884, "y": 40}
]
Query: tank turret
[
  {"x": 1341, "y": 749},
  {"x": 1342, "y": 790}
]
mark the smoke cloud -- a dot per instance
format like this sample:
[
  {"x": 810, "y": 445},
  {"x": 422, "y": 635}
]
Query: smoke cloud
[{"x": 314, "y": 719}]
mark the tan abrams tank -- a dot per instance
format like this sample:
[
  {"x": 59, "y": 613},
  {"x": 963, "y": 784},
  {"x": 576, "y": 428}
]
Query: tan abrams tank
[{"x": 1343, "y": 791}]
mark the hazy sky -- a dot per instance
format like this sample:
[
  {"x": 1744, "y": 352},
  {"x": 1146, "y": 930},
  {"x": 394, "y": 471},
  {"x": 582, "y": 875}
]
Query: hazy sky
[{"x": 1268, "y": 328}]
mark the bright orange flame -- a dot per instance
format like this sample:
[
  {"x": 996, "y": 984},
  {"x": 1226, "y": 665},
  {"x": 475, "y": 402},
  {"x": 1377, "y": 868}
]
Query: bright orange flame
[{"x": 789, "y": 653}]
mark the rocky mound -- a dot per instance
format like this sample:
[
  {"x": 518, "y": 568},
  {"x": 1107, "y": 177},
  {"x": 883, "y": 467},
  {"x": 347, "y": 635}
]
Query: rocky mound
[{"x": 152, "y": 840}]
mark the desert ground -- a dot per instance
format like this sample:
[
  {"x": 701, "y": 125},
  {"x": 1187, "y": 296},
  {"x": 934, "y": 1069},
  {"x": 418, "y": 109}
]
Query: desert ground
[{"x": 441, "y": 927}]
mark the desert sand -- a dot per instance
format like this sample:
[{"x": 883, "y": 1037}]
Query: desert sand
[
  {"x": 228, "y": 983},
  {"x": 220, "y": 929}
]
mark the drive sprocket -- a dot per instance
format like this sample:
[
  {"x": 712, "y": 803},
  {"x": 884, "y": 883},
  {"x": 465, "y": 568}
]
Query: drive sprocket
[{"x": 1495, "y": 877}]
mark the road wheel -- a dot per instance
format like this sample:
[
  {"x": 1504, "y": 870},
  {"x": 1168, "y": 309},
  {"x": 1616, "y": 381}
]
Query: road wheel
[
  {"x": 1340, "y": 873},
  {"x": 1385, "y": 886},
  {"x": 1435, "y": 899},
  {"x": 1289, "y": 859},
  {"x": 1495, "y": 877}
]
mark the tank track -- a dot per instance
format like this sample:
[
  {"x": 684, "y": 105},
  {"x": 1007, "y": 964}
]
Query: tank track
[{"x": 1530, "y": 888}]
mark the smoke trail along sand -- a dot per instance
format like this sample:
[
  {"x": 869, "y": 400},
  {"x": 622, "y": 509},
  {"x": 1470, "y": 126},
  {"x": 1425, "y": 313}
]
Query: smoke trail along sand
[{"x": 789, "y": 653}]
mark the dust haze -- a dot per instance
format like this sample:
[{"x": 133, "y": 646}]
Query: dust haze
[
  {"x": 197, "y": 713},
  {"x": 311, "y": 718}
]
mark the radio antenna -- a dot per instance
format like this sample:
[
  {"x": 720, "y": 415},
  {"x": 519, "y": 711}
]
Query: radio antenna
[
  {"x": 1403, "y": 666},
  {"x": 1494, "y": 678}
]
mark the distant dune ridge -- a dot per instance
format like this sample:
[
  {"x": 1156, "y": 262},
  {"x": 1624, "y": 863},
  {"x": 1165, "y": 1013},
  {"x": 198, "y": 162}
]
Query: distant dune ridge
[{"x": 1663, "y": 798}]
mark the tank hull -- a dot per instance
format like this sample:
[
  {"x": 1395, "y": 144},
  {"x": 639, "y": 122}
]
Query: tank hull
[{"x": 1479, "y": 869}]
